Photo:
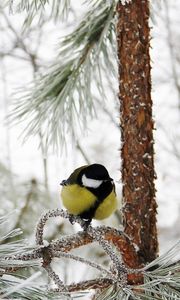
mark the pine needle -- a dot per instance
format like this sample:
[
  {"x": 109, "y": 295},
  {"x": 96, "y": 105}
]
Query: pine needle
[{"x": 60, "y": 102}]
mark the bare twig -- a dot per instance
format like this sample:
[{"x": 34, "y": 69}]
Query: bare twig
[
  {"x": 81, "y": 150},
  {"x": 6, "y": 104},
  {"x": 32, "y": 57},
  {"x": 171, "y": 50},
  {"x": 26, "y": 204}
]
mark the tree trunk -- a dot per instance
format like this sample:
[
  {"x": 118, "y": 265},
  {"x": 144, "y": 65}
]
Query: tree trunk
[{"x": 139, "y": 205}]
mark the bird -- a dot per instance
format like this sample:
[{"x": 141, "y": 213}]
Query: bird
[{"x": 89, "y": 192}]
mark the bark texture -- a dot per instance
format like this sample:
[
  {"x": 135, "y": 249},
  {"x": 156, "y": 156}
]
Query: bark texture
[{"x": 139, "y": 205}]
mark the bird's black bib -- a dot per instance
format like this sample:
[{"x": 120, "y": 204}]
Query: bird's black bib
[{"x": 101, "y": 193}]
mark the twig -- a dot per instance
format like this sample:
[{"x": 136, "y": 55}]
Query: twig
[
  {"x": 27, "y": 201},
  {"x": 120, "y": 267},
  {"x": 82, "y": 260},
  {"x": 171, "y": 50},
  {"x": 79, "y": 147},
  {"x": 98, "y": 283},
  {"x": 119, "y": 274},
  {"x": 103, "y": 235},
  {"x": 56, "y": 279}
]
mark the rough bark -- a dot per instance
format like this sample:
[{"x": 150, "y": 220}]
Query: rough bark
[{"x": 139, "y": 205}]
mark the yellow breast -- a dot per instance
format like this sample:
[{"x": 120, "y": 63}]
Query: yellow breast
[
  {"x": 107, "y": 207},
  {"x": 78, "y": 199}
]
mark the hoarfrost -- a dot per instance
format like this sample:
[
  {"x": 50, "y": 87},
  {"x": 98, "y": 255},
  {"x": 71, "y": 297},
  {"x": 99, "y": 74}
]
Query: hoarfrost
[
  {"x": 136, "y": 247},
  {"x": 125, "y": 1}
]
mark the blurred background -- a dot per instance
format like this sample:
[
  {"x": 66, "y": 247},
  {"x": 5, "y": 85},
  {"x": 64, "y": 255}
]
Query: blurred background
[{"x": 30, "y": 175}]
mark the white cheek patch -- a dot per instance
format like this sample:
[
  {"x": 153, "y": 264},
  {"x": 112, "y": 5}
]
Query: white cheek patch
[{"x": 93, "y": 183}]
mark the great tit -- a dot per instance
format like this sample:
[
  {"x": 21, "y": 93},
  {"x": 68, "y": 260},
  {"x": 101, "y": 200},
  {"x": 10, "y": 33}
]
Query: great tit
[{"x": 90, "y": 193}]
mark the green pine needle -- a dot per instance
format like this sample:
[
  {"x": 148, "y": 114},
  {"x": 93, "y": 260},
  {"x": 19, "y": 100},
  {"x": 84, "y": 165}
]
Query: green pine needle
[
  {"x": 38, "y": 8},
  {"x": 61, "y": 100},
  {"x": 161, "y": 283},
  {"x": 27, "y": 288}
]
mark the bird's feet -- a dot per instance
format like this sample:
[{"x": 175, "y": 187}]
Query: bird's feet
[
  {"x": 71, "y": 219},
  {"x": 86, "y": 224}
]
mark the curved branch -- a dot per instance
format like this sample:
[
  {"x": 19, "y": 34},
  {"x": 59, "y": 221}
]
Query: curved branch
[{"x": 103, "y": 235}]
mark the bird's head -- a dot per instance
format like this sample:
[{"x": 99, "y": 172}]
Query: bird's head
[
  {"x": 90, "y": 176},
  {"x": 93, "y": 176}
]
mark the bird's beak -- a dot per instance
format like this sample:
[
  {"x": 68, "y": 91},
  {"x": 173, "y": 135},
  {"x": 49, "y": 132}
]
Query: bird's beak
[{"x": 64, "y": 182}]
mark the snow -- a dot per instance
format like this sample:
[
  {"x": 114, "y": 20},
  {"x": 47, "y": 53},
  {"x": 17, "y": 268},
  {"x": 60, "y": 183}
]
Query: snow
[
  {"x": 124, "y": 2},
  {"x": 26, "y": 159}
]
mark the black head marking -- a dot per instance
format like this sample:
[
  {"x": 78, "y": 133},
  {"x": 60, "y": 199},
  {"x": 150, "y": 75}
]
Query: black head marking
[
  {"x": 93, "y": 171},
  {"x": 96, "y": 171}
]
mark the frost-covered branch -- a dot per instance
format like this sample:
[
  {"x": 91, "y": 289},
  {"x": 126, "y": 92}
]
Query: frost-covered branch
[{"x": 158, "y": 276}]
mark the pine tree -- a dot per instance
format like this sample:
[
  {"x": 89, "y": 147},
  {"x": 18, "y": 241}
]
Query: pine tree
[{"x": 139, "y": 208}]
